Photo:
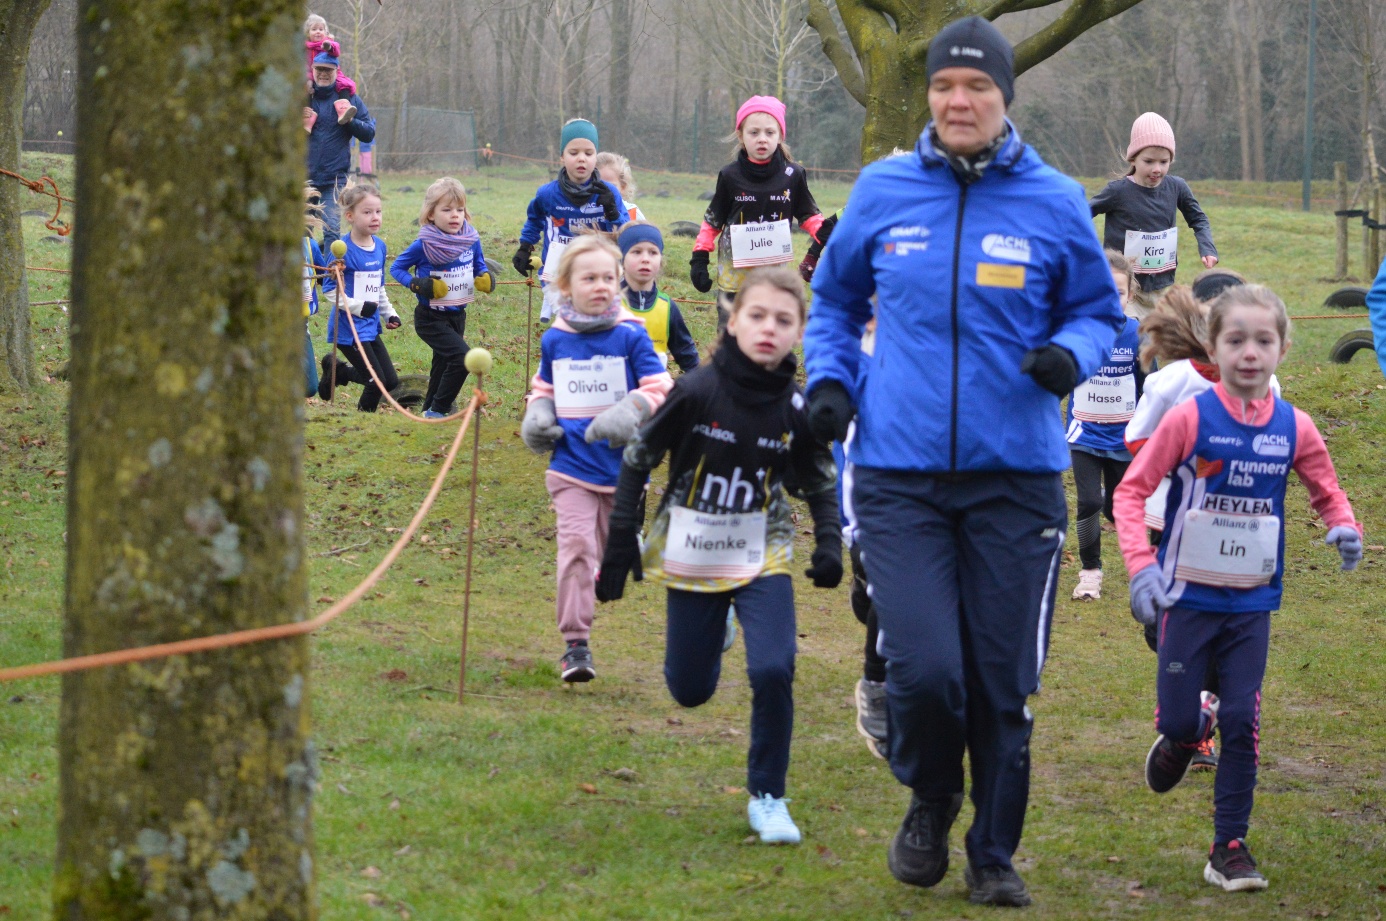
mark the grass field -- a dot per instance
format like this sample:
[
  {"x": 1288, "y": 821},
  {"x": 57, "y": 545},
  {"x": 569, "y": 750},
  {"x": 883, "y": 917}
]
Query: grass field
[{"x": 608, "y": 800}]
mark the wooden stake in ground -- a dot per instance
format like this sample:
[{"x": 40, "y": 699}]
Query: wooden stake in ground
[
  {"x": 479, "y": 363},
  {"x": 186, "y": 783},
  {"x": 1340, "y": 264},
  {"x": 529, "y": 346}
]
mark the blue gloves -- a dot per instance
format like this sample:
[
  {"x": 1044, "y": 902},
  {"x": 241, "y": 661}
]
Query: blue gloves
[
  {"x": 1349, "y": 544},
  {"x": 1148, "y": 596}
]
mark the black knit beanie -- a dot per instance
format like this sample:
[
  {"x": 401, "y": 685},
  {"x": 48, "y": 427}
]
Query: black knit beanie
[{"x": 974, "y": 42}]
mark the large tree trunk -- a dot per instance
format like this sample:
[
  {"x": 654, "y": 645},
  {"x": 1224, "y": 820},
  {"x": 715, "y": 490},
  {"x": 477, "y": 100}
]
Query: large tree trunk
[
  {"x": 622, "y": 24},
  {"x": 185, "y": 784},
  {"x": 17, "y": 21},
  {"x": 883, "y": 68}
]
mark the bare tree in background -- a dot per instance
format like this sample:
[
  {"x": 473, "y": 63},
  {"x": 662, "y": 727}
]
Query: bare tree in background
[{"x": 759, "y": 45}]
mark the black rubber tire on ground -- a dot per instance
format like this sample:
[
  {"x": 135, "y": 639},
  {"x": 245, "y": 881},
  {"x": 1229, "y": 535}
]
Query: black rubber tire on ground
[
  {"x": 1343, "y": 298},
  {"x": 684, "y": 229},
  {"x": 411, "y": 390},
  {"x": 1350, "y": 344}
]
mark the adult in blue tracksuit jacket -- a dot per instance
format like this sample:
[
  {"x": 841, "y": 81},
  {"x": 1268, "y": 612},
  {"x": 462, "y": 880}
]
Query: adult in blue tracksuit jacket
[
  {"x": 994, "y": 300},
  {"x": 329, "y": 143},
  {"x": 1376, "y": 310}
]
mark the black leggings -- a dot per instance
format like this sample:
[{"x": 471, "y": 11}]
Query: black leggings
[
  {"x": 379, "y": 358},
  {"x": 873, "y": 666},
  {"x": 1096, "y": 480},
  {"x": 444, "y": 331}
]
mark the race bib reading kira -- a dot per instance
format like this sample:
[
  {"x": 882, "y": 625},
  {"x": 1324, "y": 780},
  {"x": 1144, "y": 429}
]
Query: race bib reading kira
[
  {"x": 1151, "y": 253},
  {"x": 583, "y": 388},
  {"x": 760, "y": 244},
  {"x": 703, "y": 545},
  {"x": 1229, "y": 551},
  {"x": 1105, "y": 399}
]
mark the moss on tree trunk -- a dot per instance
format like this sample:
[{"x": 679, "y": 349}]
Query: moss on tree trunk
[
  {"x": 17, "y": 21},
  {"x": 186, "y": 783}
]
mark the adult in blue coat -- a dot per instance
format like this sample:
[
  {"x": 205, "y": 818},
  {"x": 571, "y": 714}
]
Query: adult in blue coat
[
  {"x": 993, "y": 301},
  {"x": 329, "y": 141}
]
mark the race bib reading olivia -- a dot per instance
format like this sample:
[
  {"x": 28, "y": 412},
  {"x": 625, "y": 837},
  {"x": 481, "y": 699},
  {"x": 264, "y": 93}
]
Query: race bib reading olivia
[
  {"x": 583, "y": 388},
  {"x": 704, "y": 545},
  {"x": 1229, "y": 550},
  {"x": 1150, "y": 253},
  {"x": 760, "y": 244}
]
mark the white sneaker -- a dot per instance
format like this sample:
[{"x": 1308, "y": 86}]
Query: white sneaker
[
  {"x": 769, "y": 817},
  {"x": 1089, "y": 585}
]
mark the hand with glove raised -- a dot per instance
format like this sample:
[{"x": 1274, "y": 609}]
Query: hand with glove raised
[
  {"x": 522, "y": 257},
  {"x": 829, "y": 412},
  {"x": 698, "y": 273},
  {"x": 826, "y": 568},
  {"x": 1148, "y": 598},
  {"x": 808, "y": 265},
  {"x": 484, "y": 283},
  {"x": 1053, "y": 367},
  {"x": 1349, "y": 544},
  {"x": 606, "y": 197},
  {"x": 540, "y": 430},
  {"x": 622, "y": 557},
  {"x": 428, "y": 287},
  {"x": 617, "y": 424}
]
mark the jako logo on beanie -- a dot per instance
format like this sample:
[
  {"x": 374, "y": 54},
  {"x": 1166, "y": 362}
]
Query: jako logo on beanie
[{"x": 962, "y": 51}]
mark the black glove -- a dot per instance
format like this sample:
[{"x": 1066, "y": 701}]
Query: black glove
[
  {"x": 606, "y": 197},
  {"x": 825, "y": 230},
  {"x": 1053, "y": 368},
  {"x": 808, "y": 265},
  {"x": 393, "y": 323},
  {"x": 826, "y": 571},
  {"x": 622, "y": 556},
  {"x": 697, "y": 271},
  {"x": 368, "y": 309},
  {"x": 521, "y": 259},
  {"x": 829, "y": 412}
]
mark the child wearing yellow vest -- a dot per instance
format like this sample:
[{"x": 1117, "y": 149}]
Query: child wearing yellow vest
[{"x": 642, "y": 257}]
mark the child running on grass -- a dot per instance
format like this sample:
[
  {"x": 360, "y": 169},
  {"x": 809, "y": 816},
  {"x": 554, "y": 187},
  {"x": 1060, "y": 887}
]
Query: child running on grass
[
  {"x": 1098, "y": 410},
  {"x": 364, "y": 303},
  {"x": 642, "y": 258},
  {"x": 448, "y": 270},
  {"x": 577, "y": 200},
  {"x": 314, "y": 264},
  {"x": 1216, "y": 577},
  {"x": 735, "y": 429},
  {"x": 747, "y": 220},
  {"x": 1140, "y": 208},
  {"x": 615, "y": 169},
  {"x": 318, "y": 40},
  {"x": 598, "y": 379}
]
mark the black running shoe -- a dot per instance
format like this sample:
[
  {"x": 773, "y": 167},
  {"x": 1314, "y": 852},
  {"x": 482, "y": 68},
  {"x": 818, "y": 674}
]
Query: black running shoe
[
  {"x": 1232, "y": 867},
  {"x": 1167, "y": 763},
  {"x": 577, "y": 662},
  {"x": 996, "y": 886},
  {"x": 919, "y": 853}
]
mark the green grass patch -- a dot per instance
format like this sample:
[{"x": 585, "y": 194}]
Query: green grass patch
[{"x": 488, "y": 810}]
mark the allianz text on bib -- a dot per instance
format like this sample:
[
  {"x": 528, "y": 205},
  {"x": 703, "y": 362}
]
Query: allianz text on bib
[
  {"x": 705, "y": 545},
  {"x": 584, "y": 387},
  {"x": 760, "y": 244}
]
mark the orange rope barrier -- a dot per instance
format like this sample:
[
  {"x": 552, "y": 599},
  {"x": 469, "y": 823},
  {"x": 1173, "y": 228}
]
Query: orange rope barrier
[
  {"x": 261, "y": 634},
  {"x": 41, "y": 187}
]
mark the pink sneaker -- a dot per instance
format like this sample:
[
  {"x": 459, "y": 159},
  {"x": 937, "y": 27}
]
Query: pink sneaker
[{"x": 345, "y": 111}]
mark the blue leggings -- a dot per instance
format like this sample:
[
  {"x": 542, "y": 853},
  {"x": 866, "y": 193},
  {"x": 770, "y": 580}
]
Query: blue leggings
[
  {"x": 1236, "y": 645},
  {"x": 693, "y": 662}
]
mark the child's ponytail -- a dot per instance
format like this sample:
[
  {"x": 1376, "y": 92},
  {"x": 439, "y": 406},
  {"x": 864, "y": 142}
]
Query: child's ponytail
[{"x": 1176, "y": 329}]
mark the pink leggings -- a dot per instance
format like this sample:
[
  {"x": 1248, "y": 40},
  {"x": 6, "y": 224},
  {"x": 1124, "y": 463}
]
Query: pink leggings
[{"x": 583, "y": 514}]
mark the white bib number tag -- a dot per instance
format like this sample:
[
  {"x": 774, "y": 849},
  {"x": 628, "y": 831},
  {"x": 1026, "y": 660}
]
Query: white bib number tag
[
  {"x": 1155, "y": 506},
  {"x": 760, "y": 244},
  {"x": 368, "y": 286},
  {"x": 1231, "y": 551},
  {"x": 461, "y": 286},
  {"x": 583, "y": 388},
  {"x": 307, "y": 284},
  {"x": 1151, "y": 253},
  {"x": 1105, "y": 399},
  {"x": 556, "y": 248},
  {"x": 704, "y": 545}
]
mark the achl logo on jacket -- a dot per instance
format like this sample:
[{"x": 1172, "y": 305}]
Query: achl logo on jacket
[{"x": 1004, "y": 246}]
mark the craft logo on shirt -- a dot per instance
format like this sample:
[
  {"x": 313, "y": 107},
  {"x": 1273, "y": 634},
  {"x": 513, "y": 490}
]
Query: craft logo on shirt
[
  {"x": 715, "y": 433},
  {"x": 908, "y": 230},
  {"x": 1004, "y": 246},
  {"x": 1232, "y": 440},
  {"x": 1271, "y": 445}
]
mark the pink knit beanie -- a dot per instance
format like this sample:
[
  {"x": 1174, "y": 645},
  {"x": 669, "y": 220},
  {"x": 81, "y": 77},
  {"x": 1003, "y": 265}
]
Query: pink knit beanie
[
  {"x": 767, "y": 104},
  {"x": 1150, "y": 130}
]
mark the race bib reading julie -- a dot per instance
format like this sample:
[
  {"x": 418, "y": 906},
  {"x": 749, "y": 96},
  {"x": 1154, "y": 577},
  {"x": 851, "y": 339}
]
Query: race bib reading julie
[
  {"x": 461, "y": 286},
  {"x": 704, "y": 545},
  {"x": 1229, "y": 551},
  {"x": 1151, "y": 253},
  {"x": 583, "y": 388},
  {"x": 760, "y": 244},
  {"x": 1105, "y": 399}
]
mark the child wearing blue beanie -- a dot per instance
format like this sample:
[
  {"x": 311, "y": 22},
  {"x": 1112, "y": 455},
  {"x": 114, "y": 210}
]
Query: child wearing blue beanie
[
  {"x": 642, "y": 258},
  {"x": 576, "y": 201}
]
